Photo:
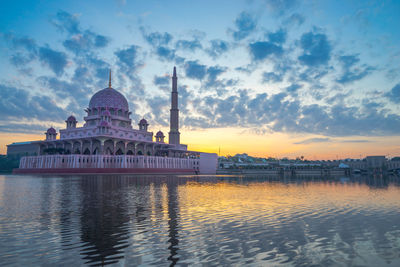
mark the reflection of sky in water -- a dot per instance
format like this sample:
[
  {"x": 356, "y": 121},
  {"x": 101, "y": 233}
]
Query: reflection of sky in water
[{"x": 220, "y": 221}]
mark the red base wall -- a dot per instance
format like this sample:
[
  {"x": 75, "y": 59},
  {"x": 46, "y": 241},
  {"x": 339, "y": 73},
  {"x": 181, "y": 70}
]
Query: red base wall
[{"x": 103, "y": 170}]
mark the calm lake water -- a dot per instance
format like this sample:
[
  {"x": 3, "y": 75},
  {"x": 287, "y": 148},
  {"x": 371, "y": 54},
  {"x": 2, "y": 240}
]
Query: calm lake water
[{"x": 144, "y": 220}]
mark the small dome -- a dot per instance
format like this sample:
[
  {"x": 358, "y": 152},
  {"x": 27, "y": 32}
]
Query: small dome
[
  {"x": 71, "y": 118},
  {"x": 51, "y": 130},
  {"x": 108, "y": 97},
  {"x": 159, "y": 134},
  {"x": 106, "y": 113},
  {"x": 104, "y": 124},
  {"x": 143, "y": 121}
]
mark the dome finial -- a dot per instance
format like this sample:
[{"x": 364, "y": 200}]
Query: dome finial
[{"x": 109, "y": 81}]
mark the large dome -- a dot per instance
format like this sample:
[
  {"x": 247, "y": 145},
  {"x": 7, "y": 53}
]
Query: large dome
[{"x": 110, "y": 98}]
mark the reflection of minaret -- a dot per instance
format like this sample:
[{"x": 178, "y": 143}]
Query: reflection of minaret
[
  {"x": 172, "y": 222},
  {"x": 174, "y": 117}
]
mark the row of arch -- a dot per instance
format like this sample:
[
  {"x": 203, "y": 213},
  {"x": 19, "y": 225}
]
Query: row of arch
[{"x": 106, "y": 147}]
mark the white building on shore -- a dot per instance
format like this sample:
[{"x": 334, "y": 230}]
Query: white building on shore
[{"x": 107, "y": 133}]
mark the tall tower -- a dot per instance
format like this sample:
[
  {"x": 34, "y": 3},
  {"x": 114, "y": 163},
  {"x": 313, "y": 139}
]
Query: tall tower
[{"x": 174, "y": 111}]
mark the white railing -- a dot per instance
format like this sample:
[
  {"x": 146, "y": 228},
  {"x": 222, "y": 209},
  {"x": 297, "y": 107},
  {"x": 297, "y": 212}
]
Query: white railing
[{"x": 105, "y": 161}]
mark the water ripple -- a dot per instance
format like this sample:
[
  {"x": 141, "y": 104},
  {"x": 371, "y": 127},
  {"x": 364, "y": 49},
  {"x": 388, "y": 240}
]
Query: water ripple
[{"x": 142, "y": 220}]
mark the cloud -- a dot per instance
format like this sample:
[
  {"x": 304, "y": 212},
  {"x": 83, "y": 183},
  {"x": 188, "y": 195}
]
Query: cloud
[
  {"x": 165, "y": 53},
  {"x": 245, "y": 25},
  {"x": 350, "y": 72},
  {"x": 313, "y": 140},
  {"x": 26, "y": 43},
  {"x": 85, "y": 42},
  {"x": 77, "y": 91},
  {"x": 214, "y": 71},
  {"x": 278, "y": 37},
  {"x": 217, "y": 48},
  {"x": 156, "y": 39},
  {"x": 293, "y": 88},
  {"x": 356, "y": 141},
  {"x": 281, "y": 67},
  {"x": 21, "y": 60},
  {"x": 188, "y": 45},
  {"x": 279, "y": 113},
  {"x": 161, "y": 80},
  {"x": 160, "y": 42},
  {"x": 65, "y": 22},
  {"x": 53, "y": 59},
  {"x": 95, "y": 68},
  {"x": 7, "y": 127},
  {"x": 195, "y": 70},
  {"x": 159, "y": 110},
  {"x": 329, "y": 140},
  {"x": 271, "y": 77},
  {"x": 24, "y": 51},
  {"x": 295, "y": 19},
  {"x": 212, "y": 80},
  {"x": 209, "y": 76},
  {"x": 128, "y": 58},
  {"x": 261, "y": 50},
  {"x": 18, "y": 104},
  {"x": 280, "y": 7},
  {"x": 316, "y": 49},
  {"x": 394, "y": 94},
  {"x": 129, "y": 61},
  {"x": 79, "y": 41}
]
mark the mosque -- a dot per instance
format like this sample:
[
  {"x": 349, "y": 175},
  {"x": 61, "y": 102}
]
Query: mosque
[{"x": 107, "y": 143}]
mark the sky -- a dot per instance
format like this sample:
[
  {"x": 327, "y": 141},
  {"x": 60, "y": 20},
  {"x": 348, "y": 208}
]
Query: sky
[{"x": 270, "y": 78}]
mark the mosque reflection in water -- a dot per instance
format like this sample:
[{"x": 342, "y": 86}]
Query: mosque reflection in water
[
  {"x": 198, "y": 220},
  {"x": 115, "y": 213},
  {"x": 112, "y": 217}
]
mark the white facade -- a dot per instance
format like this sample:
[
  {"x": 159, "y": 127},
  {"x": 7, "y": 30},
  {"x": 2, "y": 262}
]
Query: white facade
[{"x": 107, "y": 138}]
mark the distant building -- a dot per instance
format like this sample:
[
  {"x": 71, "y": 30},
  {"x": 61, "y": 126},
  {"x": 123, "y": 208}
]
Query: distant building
[{"x": 375, "y": 161}]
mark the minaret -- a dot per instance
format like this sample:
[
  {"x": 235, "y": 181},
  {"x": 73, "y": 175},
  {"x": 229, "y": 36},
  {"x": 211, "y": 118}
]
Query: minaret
[
  {"x": 109, "y": 80},
  {"x": 174, "y": 118}
]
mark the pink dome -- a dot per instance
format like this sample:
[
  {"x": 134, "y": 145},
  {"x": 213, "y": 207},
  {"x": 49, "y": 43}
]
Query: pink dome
[
  {"x": 159, "y": 134},
  {"x": 143, "y": 121},
  {"x": 71, "y": 118},
  {"x": 110, "y": 98},
  {"x": 51, "y": 130}
]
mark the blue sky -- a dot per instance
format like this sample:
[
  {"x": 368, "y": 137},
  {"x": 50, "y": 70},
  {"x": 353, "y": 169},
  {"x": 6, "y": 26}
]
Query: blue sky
[{"x": 314, "y": 70}]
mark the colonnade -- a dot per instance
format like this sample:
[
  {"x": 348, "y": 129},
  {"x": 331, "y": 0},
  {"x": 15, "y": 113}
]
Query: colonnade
[
  {"x": 102, "y": 146},
  {"x": 106, "y": 161}
]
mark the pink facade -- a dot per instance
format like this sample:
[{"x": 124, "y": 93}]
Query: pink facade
[
  {"x": 108, "y": 140},
  {"x": 106, "y": 161}
]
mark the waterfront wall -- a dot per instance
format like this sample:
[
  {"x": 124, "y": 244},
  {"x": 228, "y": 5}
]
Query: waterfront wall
[{"x": 106, "y": 161}]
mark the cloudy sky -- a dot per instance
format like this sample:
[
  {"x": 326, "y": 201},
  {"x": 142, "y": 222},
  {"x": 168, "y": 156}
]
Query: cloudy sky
[{"x": 270, "y": 77}]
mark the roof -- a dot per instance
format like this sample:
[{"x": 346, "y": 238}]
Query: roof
[
  {"x": 143, "y": 121},
  {"x": 109, "y": 98},
  {"x": 21, "y": 143}
]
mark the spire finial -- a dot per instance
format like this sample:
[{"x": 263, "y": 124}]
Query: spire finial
[
  {"x": 174, "y": 72},
  {"x": 109, "y": 81}
]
